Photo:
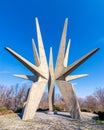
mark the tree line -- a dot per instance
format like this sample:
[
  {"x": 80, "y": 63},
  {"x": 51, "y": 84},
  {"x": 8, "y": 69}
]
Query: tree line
[{"x": 14, "y": 98}]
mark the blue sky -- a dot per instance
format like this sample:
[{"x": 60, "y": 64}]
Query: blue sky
[{"x": 85, "y": 29}]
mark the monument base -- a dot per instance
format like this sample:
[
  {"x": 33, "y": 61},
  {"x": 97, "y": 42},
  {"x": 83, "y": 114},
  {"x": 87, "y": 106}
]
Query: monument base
[{"x": 85, "y": 115}]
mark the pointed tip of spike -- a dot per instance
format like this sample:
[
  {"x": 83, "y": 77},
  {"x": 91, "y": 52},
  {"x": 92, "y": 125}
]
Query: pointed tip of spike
[
  {"x": 50, "y": 51},
  {"x": 6, "y": 48},
  {"x": 66, "y": 20},
  {"x": 69, "y": 40},
  {"x": 98, "y": 48},
  {"x": 50, "y": 48},
  {"x": 32, "y": 41},
  {"x": 15, "y": 75},
  {"x": 36, "y": 19},
  {"x": 85, "y": 74}
]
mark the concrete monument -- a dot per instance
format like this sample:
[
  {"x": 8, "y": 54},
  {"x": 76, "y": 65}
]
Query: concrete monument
[{"x": 43, "y": 75}]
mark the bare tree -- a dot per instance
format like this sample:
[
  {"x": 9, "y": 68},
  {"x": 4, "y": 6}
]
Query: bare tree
[
  {"x": 44, "y": 101},
  {"x": 81, "y": 102},
  {"x": 90, "y": 103},
  {"x": 13, "y": 97},
  {"x": 99, "y": 95},
  {"x": 20, "y": 97}
]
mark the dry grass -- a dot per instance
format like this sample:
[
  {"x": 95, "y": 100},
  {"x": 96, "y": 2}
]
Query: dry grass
[{"x": 4, "y": 111}]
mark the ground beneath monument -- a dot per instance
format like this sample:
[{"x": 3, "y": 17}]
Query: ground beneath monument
[{"x": 42, "y": 121}]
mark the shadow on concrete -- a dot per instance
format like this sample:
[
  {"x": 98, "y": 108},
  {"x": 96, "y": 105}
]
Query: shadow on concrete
[
  {"x": 62, "y": 114},
  {"x": 20, "y": 115}
]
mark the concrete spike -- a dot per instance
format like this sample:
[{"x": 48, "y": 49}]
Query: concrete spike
[
  {"x": 61, "y": 53},
  {"x": 27, "y": 77},
  {"x": 75, "y": 65},
  {"x": 51, "y": 61},
  {"x": 66, "y": 54},
  {"x": 70, "y": 98},
  {"x": 73, "y": 77},
  {"x": 43, "y": 60},
  {"x": 40, "y": 45},
  {"x": 51, "y": 82},
  {"x": 26, "y": 63},
  {"x": 35, "y": 94},
  {"x": 36, "y": 56}
]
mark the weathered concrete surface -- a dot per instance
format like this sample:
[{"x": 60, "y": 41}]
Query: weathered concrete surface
[
  {"x": 28, "y": 77},
  {"x": 67, "y": 54},
  {"x": 70, "y": 98},
  {"x": 51, "y": 83},
  {"x": 36, "y": 56},
  {"x": 61, "y": 53},
  {"x": 33, "y": 99},
  {"x": 73, "y": 77}
]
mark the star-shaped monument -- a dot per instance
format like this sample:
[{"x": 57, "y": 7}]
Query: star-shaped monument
[{"x": 43, "y": 75}]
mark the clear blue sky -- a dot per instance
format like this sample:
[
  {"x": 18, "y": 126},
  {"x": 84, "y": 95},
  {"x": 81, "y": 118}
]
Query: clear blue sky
[{"x": 85, "y": 29}]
